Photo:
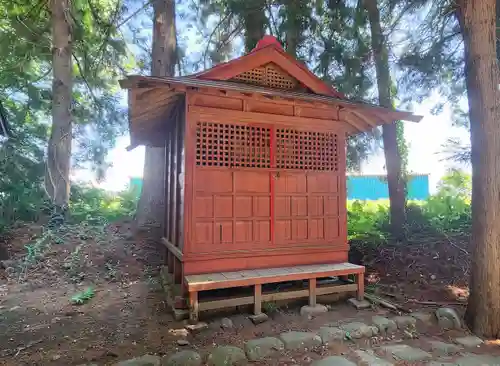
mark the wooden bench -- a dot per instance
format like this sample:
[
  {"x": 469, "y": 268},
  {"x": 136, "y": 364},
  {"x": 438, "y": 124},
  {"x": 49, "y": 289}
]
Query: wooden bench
[{"x": 258, "y": 277}]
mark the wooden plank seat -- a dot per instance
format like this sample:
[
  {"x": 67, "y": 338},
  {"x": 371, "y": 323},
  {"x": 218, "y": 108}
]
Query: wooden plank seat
[{"x": 258, "y": 277}]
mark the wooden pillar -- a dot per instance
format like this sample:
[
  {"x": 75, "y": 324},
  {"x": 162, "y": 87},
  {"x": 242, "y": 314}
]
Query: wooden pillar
[
  {"x": 193, "y": 306},
  {"x": 170, "y": 263},
  {"x": 257, "y": 309},
  {"x": 312, "y": 292},
  {"x": 361, "y": 286},
  {"x": 177, "y": 271}
]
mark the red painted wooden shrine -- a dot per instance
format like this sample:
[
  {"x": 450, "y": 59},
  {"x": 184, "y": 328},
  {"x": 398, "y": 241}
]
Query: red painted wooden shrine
[{"x": 255, "y": 161}]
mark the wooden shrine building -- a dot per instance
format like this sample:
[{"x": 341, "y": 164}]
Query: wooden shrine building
[{"x": 255, "y": 183}]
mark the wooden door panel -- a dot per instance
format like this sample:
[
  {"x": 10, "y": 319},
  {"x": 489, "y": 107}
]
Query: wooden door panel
[
  {"x": 262, "y": 232},
  {"x": 251, "y": 181},
  {"x": 213, "y": 181},
  {"x": 281, "y": 206},
  {"x": 223, "y": 206},
  {"x": 243, "y": 206},
  {"x": 319, "y": 182},
  {"x": 306, "y": 202},
  {"x": 262, "y": 206},
  {"x": 298, "y": 205},
  {"x": 331, "y": 205},
  {"x": 203, "y": 233},
  {"x": 243, "y": 231},
  {"x": 203, "y": 207},
  {"x": 223, "y": 233}
]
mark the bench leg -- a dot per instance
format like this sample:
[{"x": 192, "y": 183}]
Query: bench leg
[
  {"x": 361, "y": 286},
  {"x": 193, "y": 306},
  {"x": 257, "y": 301},
  {"x": 312, "y": 292}
]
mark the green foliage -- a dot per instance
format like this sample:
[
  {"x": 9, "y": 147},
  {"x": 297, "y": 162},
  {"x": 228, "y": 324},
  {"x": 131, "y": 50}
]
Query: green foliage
[
  {"x": 82, "y": 297},
  {"x": 96, "y": 206},
  {"x": 447, "y": 211}
]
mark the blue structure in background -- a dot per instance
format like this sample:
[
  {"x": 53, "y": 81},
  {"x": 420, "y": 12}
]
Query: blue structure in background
[
  {"x": 360, "y": 187},
  {"x": 374, "y": 187}
]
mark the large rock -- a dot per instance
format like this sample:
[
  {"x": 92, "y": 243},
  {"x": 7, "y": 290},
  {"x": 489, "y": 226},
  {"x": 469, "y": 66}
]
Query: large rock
[
  {"x": 331, "y": 334},
  {"x": 146, "y": 360},
  {"x": 448, "y": 318},
  {"x": 368, "y": 358},
  {"x": 384, "y": 325},
  {"x": 469, "y": 341},
  {"x": 359, "y": 304},
  {"x": 300, "y": 341},
  {"x": 407, "y": 353},
  {"x": 333, "y": 361},
  {"x": 313, "y": 310},
  {"x": 226, "y": 323},
  {"x": 424, "y": 317},
  {"x": 258, "y": 318},
  {"x": 444, "y": 348},
  {"x": 477, "y": 360},
  {"x": 405, "y": 321},
  {"x": 227, "y": 356},
  {"x": 261, "y": 348},
  {"x": 358, "y": 330},
  {"x": 183, "y": 358}
]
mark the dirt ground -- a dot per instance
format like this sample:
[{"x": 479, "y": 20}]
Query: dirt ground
[{"x": 127, "y": 317}]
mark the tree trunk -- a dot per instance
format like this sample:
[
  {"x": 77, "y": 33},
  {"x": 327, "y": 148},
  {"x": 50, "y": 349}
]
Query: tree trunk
[
  {"x": 150, "y": 210},
  {"x": 58, "y": 164},
  {"x": 255, "y": 21},
  {"x": 477, "y": 19},
  {"x": 395, "y": 181}
]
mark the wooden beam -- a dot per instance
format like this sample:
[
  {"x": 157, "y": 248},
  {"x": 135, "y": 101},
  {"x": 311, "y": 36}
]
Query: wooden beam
[
  {"x": 364, "y": 118},
  {"x": 224, "y": 116},
  {"x": 173, "y": 249},
  {"x": 275, "y": 296}
]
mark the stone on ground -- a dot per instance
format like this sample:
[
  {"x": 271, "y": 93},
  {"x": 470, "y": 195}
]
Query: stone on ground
[
  {"x": 146, "y": 360},
  {"x": 226, "y": 323},
  {"x": 313, "y": 310},
  {"x": 407, "y": 353},
  {"x": 183, "y": 358},
  {"x": 300, "y": 341},
  {"x": 261, "y": 348},
  {"x": 384, "y": 325},
  {"x": 477, "y": 360},
  {"x": 469, "y": 341},
  {"x": 448, "y": 318},
  {"x": 197, "y": 327},
  {"x": 359, "y": 304},
  {"x": 333, "y": 361},
  {"x": 259, "y": 318},
  {"x": 405, "y": 321},
  {"x": 358, "y": 330},
  {"x": 227, "y": 356},
  {"x": 425, "y": 318},
  {"x": 444, "y": 348},
  {"x": 331, "y": 334},
  {"x": 439, "y": 363},
  {"x": 369, "y": 358}
]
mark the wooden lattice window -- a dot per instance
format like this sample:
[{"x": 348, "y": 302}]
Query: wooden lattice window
[
  {"x": 306, "y": 150},
  {"x": 269, "y": 75},
  {"x": 228, "y": 145}
]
